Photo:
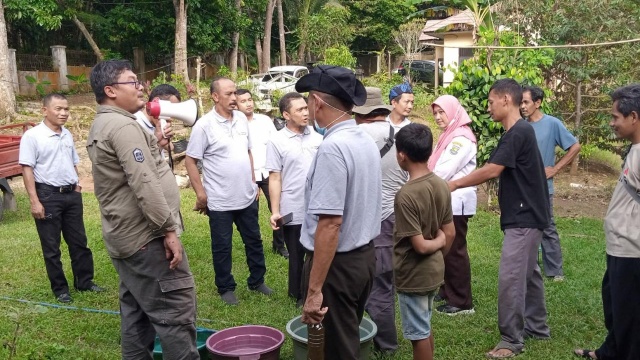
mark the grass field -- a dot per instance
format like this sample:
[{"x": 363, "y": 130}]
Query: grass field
[{"x": 574, "y": 306}]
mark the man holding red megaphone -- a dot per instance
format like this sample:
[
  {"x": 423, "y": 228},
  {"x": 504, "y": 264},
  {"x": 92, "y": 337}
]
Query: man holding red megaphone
[{"x": 151, "y": 123}]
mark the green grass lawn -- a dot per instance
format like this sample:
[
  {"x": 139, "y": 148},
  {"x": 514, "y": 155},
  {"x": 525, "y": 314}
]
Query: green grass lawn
[{"x": 574, "y": 306}]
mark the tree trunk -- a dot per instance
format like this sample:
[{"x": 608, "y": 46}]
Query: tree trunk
[
  {"x": 180, "y": 50},
  {"x": 233, "y": 58},
  {"x": 259, "y": 54},
  {"x": 87, "y": 35},
  {"x": 7, "y": 95},
  {"x": 266, "y": 41},
  {"x": 303, "y": 30},
  {"x": 574, "y": 164},
  {"x": 283, "y": 47}
]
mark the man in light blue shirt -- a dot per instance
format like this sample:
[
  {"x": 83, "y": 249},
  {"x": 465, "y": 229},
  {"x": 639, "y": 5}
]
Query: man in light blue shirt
[
  {"x": 49, "y": 158},
  {"x": 343, "y": 198},
  {"x": 550, "y": 132}
]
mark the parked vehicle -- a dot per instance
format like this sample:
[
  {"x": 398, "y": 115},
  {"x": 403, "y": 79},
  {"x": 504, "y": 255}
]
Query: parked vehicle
[
  {"x": 278, "y": 78},
  {"x": 421, "y": 71},
  {"x": 9, "y": 166}
]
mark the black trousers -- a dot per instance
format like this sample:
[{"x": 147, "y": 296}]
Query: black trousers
[
  {"x": 296, "y": 258},
  {"x": 620, "y": 299},
  {"x": 457, "y": 268},
  {"x": 345, "y": 292},
  {"x": 63, "y": 213},
  {"x": 278, "y": 236}
]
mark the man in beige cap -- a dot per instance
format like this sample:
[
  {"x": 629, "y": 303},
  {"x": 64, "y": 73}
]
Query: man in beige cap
[{"x": 381, "y": 304}]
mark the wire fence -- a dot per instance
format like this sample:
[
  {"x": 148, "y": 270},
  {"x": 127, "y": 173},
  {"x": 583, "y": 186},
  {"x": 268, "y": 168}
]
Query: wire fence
[
  {"x": 81, "y": 58},
  {"x": 28, "y": 62}
]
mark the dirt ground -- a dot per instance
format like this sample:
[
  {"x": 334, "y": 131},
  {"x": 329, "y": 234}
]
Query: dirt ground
[{"x": 585, "y": 194}]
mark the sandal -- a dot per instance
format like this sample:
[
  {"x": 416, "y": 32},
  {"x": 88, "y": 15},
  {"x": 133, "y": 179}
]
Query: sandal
[
  {"x": 503, "y": 345},
  {"x": 585, "y": 353}
]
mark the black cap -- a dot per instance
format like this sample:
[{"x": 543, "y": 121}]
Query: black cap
[{"x": 334, "y": 80}]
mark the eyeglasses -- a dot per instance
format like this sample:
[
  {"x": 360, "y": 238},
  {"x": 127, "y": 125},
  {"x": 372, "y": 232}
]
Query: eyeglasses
[{"x": 137, "y": 83}]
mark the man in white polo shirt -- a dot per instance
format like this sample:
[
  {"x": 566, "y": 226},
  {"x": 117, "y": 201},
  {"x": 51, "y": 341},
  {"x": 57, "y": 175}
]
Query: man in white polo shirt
[
  {"x": 150, "y": 123},
  {"x": 222, "y": 140},
  {"x": 262, "y": 129},
  {"x": 289, "y": 155}
]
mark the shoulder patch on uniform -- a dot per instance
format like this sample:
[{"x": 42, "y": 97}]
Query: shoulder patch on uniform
[
  {"x": 455, "y": 147},
  {"x": 138, "y": 155}
]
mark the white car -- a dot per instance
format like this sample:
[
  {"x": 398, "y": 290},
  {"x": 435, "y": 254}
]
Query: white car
[{"x": 278, "y": 78}]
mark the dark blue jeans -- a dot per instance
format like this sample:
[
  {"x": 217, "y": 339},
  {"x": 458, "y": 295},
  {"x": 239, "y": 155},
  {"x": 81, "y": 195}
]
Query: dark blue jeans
[
  {"x": 221, "y": 225},
  {"x": 63, "y": 213}
]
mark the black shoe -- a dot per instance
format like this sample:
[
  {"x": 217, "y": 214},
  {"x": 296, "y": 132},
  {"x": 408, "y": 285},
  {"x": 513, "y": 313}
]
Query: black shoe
[
  {"x": 230, "y": 298},
  {"x": 263, "y": 289},
  {"x": 93, "y": 288},
  {"x": 64, "y": 298},
  {"x": 453, "y": 311},
  {"x": 282, "y": 251}
]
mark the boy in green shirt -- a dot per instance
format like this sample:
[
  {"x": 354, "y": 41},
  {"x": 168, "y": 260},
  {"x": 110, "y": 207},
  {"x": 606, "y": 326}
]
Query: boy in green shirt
[{"x": 423, "y": 234}]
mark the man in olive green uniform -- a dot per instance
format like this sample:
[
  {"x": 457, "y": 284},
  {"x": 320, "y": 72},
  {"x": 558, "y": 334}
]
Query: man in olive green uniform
[{"x": 140, "y": 208}]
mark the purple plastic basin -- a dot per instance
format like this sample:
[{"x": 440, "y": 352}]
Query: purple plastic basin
[{"x": 249, "y": 342}]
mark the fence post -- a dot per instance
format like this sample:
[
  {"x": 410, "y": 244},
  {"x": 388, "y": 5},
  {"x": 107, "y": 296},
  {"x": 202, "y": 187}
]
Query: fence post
[
  {"x": 138, "y": 62},
  {"x": 59, "y": 55},
  {"x": 13, "y": 69}
]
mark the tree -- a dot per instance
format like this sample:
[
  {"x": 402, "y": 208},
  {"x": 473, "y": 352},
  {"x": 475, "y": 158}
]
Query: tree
[
  {"x": 281, "y": 33},
  {"x": 408, "y": 39},
  {"x": 233, "y": 58},
  {"x": 266, "y": 41},
  {"x": 375, "y": 21},
  {"x": 7, "y": 95},
  {"x": 180, "y": 50},
  {"x": 581, "y": 77},
  {"x": 329, "y": 28}
]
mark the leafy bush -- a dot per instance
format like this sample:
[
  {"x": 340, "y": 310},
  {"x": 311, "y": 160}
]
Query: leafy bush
[
  {"x": 474, "y": 78},
  {"x": 339, "y": 56},
  {"x": 40, "y": 84}
]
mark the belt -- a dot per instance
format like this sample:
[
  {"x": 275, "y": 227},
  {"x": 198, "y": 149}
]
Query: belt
[{"x": 61, "y": 189}]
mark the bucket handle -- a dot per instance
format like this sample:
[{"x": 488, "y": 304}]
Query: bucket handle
[{"x": 249, "y": 357}]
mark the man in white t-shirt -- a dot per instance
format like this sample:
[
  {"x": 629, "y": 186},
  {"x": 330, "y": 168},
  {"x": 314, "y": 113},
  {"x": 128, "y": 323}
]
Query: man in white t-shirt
[
  {"x": 222, "y": 140},
  {"x": 401, "y": 99},
  {"x": 262, "y": 129},
  {"x": 150, "y": 123}
]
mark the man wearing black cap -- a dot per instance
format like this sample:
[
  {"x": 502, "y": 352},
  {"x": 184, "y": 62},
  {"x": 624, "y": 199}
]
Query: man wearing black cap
[{"x": 342, "y": 211}]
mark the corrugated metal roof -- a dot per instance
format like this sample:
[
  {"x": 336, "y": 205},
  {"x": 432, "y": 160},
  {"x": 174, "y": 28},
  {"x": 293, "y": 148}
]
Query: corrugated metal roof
[{"x": 464, "y": 17}]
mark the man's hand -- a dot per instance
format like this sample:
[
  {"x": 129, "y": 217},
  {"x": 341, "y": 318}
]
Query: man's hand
[
  {"x": 173, "y": 249},
  {"x": 163, "y": 138},
  {"x": 78, "y": 188},
  {"x": 201, "y": 204},
  {"x": 37, "y": 210},
  {"x": 272, "y": 220},
  {"x": 312, "y": 311},
  {"x": 550, "y": 171},
  {"x": 440, "y": 239}
]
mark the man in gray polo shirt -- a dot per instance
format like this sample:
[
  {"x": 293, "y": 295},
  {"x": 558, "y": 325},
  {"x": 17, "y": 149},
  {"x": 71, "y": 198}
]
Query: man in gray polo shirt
[
  {"x": 50, "y": 175},
  {"x": 289, "y": 155},
  {"x": 222, "y": 140},
  {"x": 342, "y": 211}
]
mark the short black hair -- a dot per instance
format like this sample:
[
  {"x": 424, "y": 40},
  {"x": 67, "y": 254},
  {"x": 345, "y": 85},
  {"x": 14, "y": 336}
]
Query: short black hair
[
  {"x": 164, "y": 92},
  {"x": 536, "y": 92},
  {"x": 416, "y": 141},
  {"x": 628, "y": 98},
  {"x": 214, "y": 83},
  {"x": 243, "y": 91},
  {"x": 285, "y": 102},
  {"x": 106, "y": 73},
  {"x": 47, "y": 99},
  {"x": 508, "y": 87}
]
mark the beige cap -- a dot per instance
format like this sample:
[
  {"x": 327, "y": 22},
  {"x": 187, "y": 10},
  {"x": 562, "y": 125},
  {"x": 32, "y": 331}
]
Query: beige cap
[{"x": 373, "y": 102}]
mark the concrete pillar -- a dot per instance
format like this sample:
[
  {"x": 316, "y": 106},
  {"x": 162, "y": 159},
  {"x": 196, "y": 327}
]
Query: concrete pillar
[
  {"x": 13, "y": 69},
  {"x": 138, "y": 63},
  {"x": 59, "y": 55}
]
